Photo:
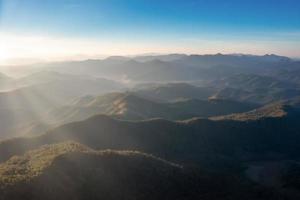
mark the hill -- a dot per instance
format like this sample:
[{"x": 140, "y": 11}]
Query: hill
[
  {"x": 189, "y": 141},
  {"x": 259, "y": 96},
  {"x": 46, "y": 88},
  {"x": 243, "y": 88},
  {"x": 174, "y": 92},
  {"x": 44, "y": 91},
  {"x": 72, "y": 171},
  {"x": 36, "y": 108},
  {"x": 252, "y": 82},
  {"x": 255, "y": 88},
  {"x": 287, "y": 108},
  {"x": 164, "y": 68},
  {"x": 168, "y": 57},
  {"x": 211, "y": 107},
  {"x": 130, "y": 106},
  {"x": 6, "y": 82}
]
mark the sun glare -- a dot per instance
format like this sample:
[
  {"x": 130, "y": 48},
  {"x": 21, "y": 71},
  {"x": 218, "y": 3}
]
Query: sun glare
[{"x": 4, "y": 56}]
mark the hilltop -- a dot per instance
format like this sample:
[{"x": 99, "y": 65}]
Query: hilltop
[
  {"x": 73, "y": 171},
  {"x": 189, "y": 141},
  {"x": 283, "y": 109},
  {"x": 132, "y": 106}
]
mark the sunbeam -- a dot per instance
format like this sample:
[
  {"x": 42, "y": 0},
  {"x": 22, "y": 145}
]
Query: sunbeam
[{"x": 149, "y": 99}]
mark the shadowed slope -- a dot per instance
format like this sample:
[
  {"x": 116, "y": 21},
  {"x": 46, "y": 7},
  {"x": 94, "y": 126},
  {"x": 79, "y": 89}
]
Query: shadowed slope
[
  {"x": 283, "y": 109},
  {"x": 73, "y": 171},
  {"x": 190, "y": 140},
  {"x": 175, "y": 91},
  {"x": 132, "y": 107}
]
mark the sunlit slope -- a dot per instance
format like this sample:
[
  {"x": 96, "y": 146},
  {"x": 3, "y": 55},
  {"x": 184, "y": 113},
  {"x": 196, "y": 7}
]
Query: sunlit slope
[
  {"x": 42, "y": 92},
  {"x": 190, "y": 140},
  {"x": 282, "y": 109},
  {"x": 50, "y": 89},
  {"x": 133, "y": 107},
  {"x": 73, "y": 171},
  {"x": 48, "y": 173}
]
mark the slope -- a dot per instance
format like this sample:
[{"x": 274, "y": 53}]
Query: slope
[
  {"x": 189, "y": 141},
  {"x": 72, "y": 171}
]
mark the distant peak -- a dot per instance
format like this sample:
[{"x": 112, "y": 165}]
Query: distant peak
[{"x": 119, "y": 58}]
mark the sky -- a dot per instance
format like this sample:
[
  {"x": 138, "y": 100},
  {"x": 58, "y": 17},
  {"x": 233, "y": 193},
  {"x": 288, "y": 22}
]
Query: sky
[{"x": 45, "y": 30}]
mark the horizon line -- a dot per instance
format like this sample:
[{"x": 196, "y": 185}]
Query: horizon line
[{"x": 36, "y": 61}]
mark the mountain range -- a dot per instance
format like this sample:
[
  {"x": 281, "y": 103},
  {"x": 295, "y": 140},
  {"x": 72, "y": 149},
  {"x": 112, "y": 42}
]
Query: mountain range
[
  {"x": 152, "y": 127},
  {"x": 78, "y": 172}
]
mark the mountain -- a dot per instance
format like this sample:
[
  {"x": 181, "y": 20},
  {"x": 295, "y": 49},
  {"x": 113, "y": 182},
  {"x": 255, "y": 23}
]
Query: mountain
[
  {"x": 259, "y": 96},
  {"x": 119, "y": 105},
  {"x": 44, "y": 77},
  {"x": 13, "y": 121},
  {"x": 73, "y": 171},
  {"x": 270, "y": 111},
  {"x": 46, "y": 88},
  {"x": 6, "y": 82},
  {"x": 252, "y": 82},
  {"x": 211, "y": 107},
  {"x": 36, "y": 108},
  {"x": 130, "y": 106},
  {"x": 48, "y": 173},
  {"x": 246, "y": 63},
  {"x": 174, "y": 92},
  {"x": 284, "y": 109},
  {"x": 233, "y": 136},
  {"x": 237, "y": 149},
  {"x": 290, "y": 75},
  {"x": 166, "y": 68},
  {"x": 255, "y": 88},
  {"x": 243, "y": 88},
  {"x": 190, "y": 141},
  {"x": 166, "y": 58},
  {"x": 45, "y": 91},
  {"x": 118, "y": 69}
]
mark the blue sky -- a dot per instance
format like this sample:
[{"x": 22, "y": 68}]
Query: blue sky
[{"x": 192, "y": 26}]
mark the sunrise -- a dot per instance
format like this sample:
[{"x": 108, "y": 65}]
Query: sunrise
[{"x": 149, "y": 99}]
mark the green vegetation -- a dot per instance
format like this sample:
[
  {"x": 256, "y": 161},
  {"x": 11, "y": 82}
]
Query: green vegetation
[
  {"x": 187, "y": 141},
  {"x": 72, "y": 171},
  {"x": 212, "y": 127},
  {"x": 131, "y": 106},
  {"x": 33, "y": 163}
]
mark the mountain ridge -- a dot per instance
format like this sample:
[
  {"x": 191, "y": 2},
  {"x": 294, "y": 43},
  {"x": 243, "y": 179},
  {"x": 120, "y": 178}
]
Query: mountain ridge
[{"x": 155, "y": 136}]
